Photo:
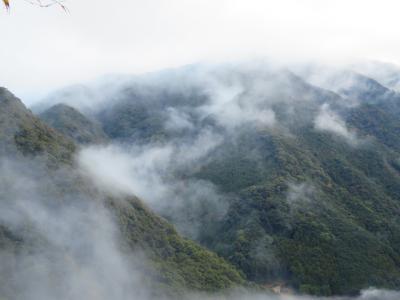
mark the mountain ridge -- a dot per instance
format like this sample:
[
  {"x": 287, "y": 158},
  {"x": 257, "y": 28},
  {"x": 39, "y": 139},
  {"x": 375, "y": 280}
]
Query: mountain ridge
[
  {"x": 73, "y": 124},
  {"x": 309, "y": 177},
  {"x": 48, "y": 156}
]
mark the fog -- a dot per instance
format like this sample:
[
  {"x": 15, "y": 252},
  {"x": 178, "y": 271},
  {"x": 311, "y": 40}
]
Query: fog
[
  {"x": 231, "y": 68},
  {"x": 197, "y": 112},
  {"x": 72, "y": 247},
  {"x": 75, "y": 248},
  {"x": 97, "y": 38},
  {"x": 329, "y": 121},
  {"x": 300, "y": 194},
  {"x": 148, "y": 173}
]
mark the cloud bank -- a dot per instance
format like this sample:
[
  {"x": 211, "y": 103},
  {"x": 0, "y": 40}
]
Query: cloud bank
[
  {"x": 134, "y": 37},
  {"x": 71, "y": 243},
  {"x": 328, "y": 120}
]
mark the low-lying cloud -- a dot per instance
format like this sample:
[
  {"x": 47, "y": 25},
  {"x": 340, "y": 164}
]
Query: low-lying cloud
[
  {"x": 300, "y": 194},
  {"x": 232, "y": 110},
  {"x": 159, "y": 171},
  {"x": 72, "y": 248},
  {"x": 152, "y": 173},
  {"x": 70, "y": 244},
  {"x": 328, "y": 120}
]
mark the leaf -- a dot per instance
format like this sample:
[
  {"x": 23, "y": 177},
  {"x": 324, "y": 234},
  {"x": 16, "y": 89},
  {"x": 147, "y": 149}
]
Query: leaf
[{"x": 6, "y": 3}]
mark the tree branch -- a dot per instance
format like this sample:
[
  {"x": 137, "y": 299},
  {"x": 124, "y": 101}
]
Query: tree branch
[{"x": 41, "y": 3}]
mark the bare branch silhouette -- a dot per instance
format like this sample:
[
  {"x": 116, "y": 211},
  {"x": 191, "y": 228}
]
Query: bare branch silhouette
[{"x": 41, "y": 3}]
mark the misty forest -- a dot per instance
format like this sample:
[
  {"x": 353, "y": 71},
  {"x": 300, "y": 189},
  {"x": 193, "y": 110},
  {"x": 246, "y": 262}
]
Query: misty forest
[{"x": 259, "y": 178}]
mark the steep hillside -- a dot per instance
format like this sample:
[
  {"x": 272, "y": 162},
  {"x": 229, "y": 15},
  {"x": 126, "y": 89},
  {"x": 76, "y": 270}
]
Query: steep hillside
[
  {"x": 324, "y": 216},
  {"x": 40, "y": 185},
  {"x": 22, "y": 133},
  {"x": 308, "y": 179}
]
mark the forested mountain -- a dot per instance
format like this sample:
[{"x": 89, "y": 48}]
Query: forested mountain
[
  {"x": 57, "y": 229},
  {"x": 73, "y": 124},
  {"x": 289, "y": 178}
]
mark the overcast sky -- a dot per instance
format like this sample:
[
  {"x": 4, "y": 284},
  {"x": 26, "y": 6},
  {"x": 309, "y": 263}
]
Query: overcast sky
[{"x": 43, "y": 49}]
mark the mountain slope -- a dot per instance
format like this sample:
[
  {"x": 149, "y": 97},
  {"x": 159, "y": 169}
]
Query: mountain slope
[
  {"x": 38, "y": 174},
  {"x": 325, "y": 218},
  {"x": 21, "y": 132},
  {"x": 73, "y": 124},
  {"x": 308, "y": 178}
]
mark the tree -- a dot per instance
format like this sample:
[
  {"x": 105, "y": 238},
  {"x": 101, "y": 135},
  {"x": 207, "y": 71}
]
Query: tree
[{"x": 40, "y": 3}]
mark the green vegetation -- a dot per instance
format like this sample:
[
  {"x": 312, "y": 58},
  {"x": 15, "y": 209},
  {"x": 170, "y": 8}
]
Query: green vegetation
[
  {"x": 179, "y": 264},
  {"x": 33, "y": 138},
  {"x": 71, "y": 123},
  {"x": 305, "y": 207},
  {"x": 341, "y": 237}
]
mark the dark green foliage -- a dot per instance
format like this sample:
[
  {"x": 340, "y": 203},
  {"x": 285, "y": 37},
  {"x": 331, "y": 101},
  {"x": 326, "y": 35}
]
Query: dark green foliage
[
  {"x": 177, "y": 263},
  {"x": 22, "y": 133},
  {"x": 305, "y": 206},
  {"x": 181, "y": 263},
  {"x": 34, "y": 139},
  {"x": 239, "y": 163},
  {"x": 340, "y": 239}
]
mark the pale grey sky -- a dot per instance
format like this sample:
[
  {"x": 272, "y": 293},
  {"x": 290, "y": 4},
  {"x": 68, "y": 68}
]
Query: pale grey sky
[{"x": 44, "y": 49}]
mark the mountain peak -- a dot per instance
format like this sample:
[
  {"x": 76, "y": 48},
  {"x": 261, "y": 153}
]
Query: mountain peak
[
  {"x": 23, "y": 133},
  {"x": 73, "y": 124},
  {"x": 8, "y": 101}
]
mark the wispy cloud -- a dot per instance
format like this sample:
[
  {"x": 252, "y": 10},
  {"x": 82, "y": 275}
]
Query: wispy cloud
[{"x": 328, "y": 120}]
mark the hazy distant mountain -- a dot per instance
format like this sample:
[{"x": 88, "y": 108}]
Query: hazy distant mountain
[
  {"x": 356, "y": 87},
  {"x": 386, "y": 73},
  {"x": 73, "y": 124}
]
